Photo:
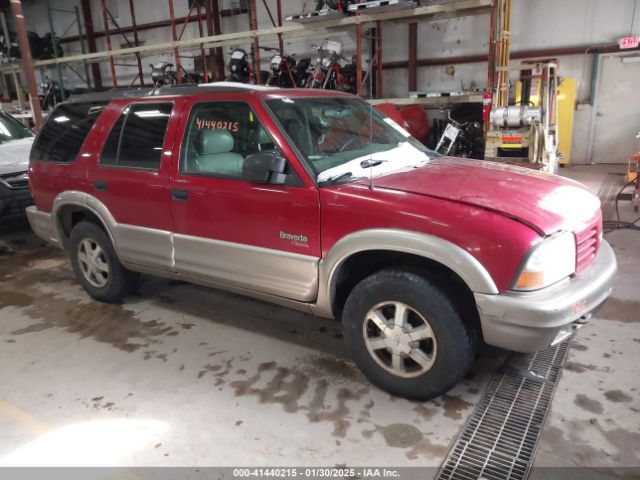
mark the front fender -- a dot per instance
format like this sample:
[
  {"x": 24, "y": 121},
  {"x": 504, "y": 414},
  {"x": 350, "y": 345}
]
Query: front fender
[{"x": 467, "y": 267}]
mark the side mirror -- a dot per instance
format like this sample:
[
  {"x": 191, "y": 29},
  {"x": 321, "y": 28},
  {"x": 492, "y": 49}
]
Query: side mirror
[{"x": 264, "y": 167}]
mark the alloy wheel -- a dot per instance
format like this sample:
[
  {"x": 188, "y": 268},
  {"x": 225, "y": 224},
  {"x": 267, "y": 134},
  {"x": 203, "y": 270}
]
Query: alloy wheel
[
  {"x": 93, "y": 263},
  {"x": 399, "y": 339}
]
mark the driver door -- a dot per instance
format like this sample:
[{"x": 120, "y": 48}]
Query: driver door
[{"x": 259, "y": 237}]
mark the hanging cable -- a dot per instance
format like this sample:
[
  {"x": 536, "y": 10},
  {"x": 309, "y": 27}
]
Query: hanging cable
[{"x": 610, "y": 226}]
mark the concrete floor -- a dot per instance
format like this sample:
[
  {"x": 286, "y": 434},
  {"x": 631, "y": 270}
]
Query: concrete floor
[
  {"x": 595, "y": 417},
  {"x": 182, "y": 375}
]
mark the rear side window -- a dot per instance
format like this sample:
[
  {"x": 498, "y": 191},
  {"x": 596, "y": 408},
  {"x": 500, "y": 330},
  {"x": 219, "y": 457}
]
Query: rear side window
[
  {"x": 136, "y": 138},
  {"x": 65, "y": 131}
]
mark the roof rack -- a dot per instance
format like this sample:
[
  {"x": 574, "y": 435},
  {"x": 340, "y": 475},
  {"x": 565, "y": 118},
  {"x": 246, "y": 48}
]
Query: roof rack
[
  {"x": 184, "y": 89},
  {"x": 110, "y": 95}
]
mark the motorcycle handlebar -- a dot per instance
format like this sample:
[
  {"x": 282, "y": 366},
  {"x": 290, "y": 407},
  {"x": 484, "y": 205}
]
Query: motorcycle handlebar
[{"x": 455, "y": 122}]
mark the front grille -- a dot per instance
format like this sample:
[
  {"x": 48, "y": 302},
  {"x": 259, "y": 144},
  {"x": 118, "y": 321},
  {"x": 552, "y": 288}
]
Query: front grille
[
  {"x": 15, "y": 208},
  {"x": 499, "y": 440},
  {"x": 15, "y": 180},
  {"x": 587, "y": 243}
]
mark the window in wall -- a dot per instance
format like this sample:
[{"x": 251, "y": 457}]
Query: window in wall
[{"x": 137, "y": 137}]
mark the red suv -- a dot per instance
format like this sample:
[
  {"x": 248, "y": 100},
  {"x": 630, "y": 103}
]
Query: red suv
[{"x": 315, "y": 201}]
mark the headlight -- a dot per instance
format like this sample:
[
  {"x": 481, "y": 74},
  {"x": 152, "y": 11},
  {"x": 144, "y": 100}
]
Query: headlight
[
  {"x": 549, "y": 262},
  {"x": 326, "y": 62}
]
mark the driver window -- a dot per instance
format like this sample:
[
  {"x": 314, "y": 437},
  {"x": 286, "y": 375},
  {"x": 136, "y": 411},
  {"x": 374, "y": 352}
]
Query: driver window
[{"x": 219, "y": 136}]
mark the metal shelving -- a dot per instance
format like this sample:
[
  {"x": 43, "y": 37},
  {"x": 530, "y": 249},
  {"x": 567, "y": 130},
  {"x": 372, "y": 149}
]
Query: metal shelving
[
  {"x": 365, "y": 20},
  {"x": 403, "y": 16},
  {"x": 430, "y": 101}
]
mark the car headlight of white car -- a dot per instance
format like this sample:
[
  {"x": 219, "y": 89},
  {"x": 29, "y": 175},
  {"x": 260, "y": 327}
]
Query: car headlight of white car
[{"x": 548, "y": 262}]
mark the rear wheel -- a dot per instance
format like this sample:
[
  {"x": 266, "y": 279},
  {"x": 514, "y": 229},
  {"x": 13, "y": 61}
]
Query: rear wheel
[
  {"x": 96, "y": 264},
  {"x": 406, "y": 336}
]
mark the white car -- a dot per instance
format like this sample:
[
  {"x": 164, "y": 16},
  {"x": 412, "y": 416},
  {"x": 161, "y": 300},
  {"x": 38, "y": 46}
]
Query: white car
[{"x": 15, "y": 146}]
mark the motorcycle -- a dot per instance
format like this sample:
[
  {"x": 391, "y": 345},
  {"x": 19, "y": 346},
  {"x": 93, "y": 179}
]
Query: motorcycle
[
  {"x": 46, "y": 44},
  {"x": 163, "y": 74},
  {"x": 41, "y": 47},
  {"x": 51, "y": 93},
  {"x": 461, "y": 139},
  {"x": 328, "y": 73},
  {"x": 340, "y": 5},
  {"x": 239, "y": 67},
  {"x": 286, "y": 72},
  {"x": 241, "y": 70}
]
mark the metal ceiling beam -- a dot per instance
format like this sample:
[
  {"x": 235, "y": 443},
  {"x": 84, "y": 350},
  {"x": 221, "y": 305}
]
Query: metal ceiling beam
[{"x": 547, "y": 52}]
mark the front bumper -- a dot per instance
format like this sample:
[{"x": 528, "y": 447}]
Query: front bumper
[
  {"x": 13, "y": 203},
  {"x": 531, "y": 321}
]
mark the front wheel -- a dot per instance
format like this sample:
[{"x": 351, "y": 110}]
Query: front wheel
[
  {"x": 96, "y": 264},
  {"x": 406, "y": 336}
]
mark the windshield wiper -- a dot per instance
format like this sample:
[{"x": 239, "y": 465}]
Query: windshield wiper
[
  {"x": 337, "y": 178},
  {"x": 369, "y": 163}
]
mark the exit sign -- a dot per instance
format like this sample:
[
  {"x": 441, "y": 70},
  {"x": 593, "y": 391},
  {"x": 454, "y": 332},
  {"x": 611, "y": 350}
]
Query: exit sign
[{"x": 629, "y": 42}]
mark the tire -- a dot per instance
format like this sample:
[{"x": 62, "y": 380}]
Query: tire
[
  {"x": 447, "y": 355},
  {"x": 106, "y": 280}
]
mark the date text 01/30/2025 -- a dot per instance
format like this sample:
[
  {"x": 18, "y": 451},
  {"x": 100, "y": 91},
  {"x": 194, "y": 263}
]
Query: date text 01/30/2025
[{"x": 316, "y": 472}]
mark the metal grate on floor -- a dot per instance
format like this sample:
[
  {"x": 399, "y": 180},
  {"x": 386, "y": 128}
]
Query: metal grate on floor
[{"x": 499, "y": 440}]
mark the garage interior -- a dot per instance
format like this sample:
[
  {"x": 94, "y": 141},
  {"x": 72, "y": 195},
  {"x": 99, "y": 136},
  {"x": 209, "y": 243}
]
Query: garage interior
[{"x": 181, "y": 375}]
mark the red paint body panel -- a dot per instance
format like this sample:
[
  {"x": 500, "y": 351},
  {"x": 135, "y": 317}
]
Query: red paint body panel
[
  {"x": 48, "y": 179},
  {"x": 135, "y": 197},
  {"x": 242, "y": 212},
  {"x": 248, "y": 214},
  {"x": 494, "y": 212},
  {"x": 545, "y": 202},
  {"x": 497, "y": 242}
]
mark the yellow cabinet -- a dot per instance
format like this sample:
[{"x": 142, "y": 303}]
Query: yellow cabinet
[{"x": 567, "y": 92}]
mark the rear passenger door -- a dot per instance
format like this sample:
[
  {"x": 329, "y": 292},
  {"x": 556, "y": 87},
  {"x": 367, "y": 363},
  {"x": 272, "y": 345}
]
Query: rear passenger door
[{"x": 131, "y": 178}]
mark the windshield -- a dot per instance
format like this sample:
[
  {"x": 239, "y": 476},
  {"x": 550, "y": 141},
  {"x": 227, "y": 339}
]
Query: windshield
[
  {"x": 346, "y": 138},
  {"x": 11, "y": 129}
]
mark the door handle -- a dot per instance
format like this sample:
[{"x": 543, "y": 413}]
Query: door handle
[
  {"x": 180, "y": 195},
  {"x": 100, "y": 185}
]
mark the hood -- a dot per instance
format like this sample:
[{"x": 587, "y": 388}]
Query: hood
[
  {"x": 14, "y": 155},
  {"x": 544, "y": 202}
]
